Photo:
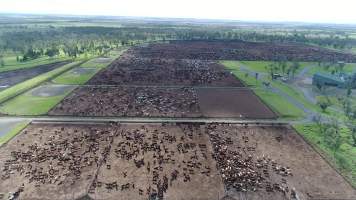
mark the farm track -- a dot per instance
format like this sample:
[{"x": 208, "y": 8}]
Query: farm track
[{"x": 95, "y": 120}]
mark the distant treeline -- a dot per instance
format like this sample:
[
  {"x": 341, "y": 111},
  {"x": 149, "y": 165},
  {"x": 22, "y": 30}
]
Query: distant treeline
[{"x": 31, "y": 42}]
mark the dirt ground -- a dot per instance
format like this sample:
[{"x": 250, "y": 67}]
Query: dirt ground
[
  {"x": 13, "y": 77},
  {"x": 130, "y": 102},
  {"x": 230, "y": 102},
  {"x": 165, "y": 161},
  {"x": 131, "y": 70},
  {"x": 163, "y": 102},
  {"x": 240, "y": 50},
  {"x": 278, "y": 160}
]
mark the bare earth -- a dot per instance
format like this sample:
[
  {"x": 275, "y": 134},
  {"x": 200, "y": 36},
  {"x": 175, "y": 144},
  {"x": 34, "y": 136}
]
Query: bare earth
[{"x": 170, "y": 161}]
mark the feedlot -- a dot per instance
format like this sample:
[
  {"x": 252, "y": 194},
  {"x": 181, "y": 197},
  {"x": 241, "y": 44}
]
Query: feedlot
[
  {"x": 163, "y": 102},
  {"x": 240, "y": 50},
  {"x": 132, "y": 70},
  {"x": 172, "y": 161}
]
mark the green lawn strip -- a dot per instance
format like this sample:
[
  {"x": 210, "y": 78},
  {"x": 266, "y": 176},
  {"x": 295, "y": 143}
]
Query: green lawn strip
[
  {"x": 284, "y": 108},
  {"x": 17, "y": 129},
  {"x": 278, "y": 104},
  {"x": 348, "y": 68},
  {"x": 71, "y": 78},
  {"x": 344, "y": 159},
  {"x": 297, "y": 95},
  {"x": 29, "y": 84},
  {"x": 260, "y": 66},
  {"x": 27, "y": 104},
  {"x": 12, "y": 64}
]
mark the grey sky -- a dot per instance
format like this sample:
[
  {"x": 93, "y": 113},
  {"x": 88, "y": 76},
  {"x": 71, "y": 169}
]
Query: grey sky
[{"x": 333, "y": 11}]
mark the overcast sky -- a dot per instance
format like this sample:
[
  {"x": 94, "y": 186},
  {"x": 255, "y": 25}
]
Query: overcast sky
[{"x": 333, "y": 11}]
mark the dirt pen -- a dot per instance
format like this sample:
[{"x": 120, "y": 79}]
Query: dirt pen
[
  {"x": 171, "y": 161},
  {"x": 232, "y": 103},
  {"x": 131, "y": 70},
  {"x": 240, "y": 50},
  {"x": 164, "y": 102}
]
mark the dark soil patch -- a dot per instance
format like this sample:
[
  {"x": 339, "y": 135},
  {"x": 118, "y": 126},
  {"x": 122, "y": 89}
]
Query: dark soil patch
[{"x": 225, "y": 102}]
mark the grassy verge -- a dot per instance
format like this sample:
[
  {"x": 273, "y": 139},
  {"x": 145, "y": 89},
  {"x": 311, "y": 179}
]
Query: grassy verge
[
  {"x": 260, "y": 66},
  {"x": 12, "y": 64},
  {"x": 284, "y": 108},
  {"x": 72, "y": 78},
  {"x": 344, "y": 159},
  {"x": 279, "y": 104},
  {"x": 17, "y": 129},
  {"x": 28, "y": 104},
  {"x": 27, "y": 85}
]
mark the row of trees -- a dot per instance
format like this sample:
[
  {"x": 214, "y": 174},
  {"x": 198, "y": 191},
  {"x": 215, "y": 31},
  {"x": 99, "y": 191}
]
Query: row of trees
[
  {"x": 51, "y": 40},
  {"x": 282, "y": 66}
]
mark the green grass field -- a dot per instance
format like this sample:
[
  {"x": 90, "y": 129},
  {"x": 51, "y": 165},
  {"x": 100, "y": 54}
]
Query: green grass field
[
  {"x": 260, "y": 66},
  {"x": 72, "y": 78},
  {"x": 27, "y": 85},
  {"x": 17, "y": 129},
  {"x": 349, "y": 68},
  {"x": 12, "y": 64},
  {"x": 28, "y": 104},
  {"x": 344, "y": 158},
  {"x": 281, "y": 106}
]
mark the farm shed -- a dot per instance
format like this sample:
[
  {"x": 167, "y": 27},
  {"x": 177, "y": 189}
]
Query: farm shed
[{"x": 323, "y": 79}]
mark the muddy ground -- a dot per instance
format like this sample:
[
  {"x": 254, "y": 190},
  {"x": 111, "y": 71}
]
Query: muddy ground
[
  {"x": 130, "y": 102},
  {"x": 17, "y": 76},
  {"x": 163, "y": 102},
  {"x": 240, "y": 50},
  {"x": 232, "y": 102},
  {"x": 132, "y": 70},
  {"x": 170, "y": 161}
]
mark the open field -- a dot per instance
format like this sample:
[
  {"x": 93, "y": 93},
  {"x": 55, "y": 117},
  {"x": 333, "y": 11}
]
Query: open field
[
  {"x": 132, "y": 70},
  {"x": 11, "y": 63},
  {"x": 37, "y": 101},
  {"x": 10, "y": 78},
  {"x": 344, "y": 158},
  {"x": 76, "y": 76},
  {"x": 241, "y": 50},
  {"x": 174, "y": 161},
  {"x": 163, "y": 102},
  {"x": 10, "y": 128},
  {"x": 29, "y": 84}
]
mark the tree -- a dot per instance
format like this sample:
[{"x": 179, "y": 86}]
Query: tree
[
  {"x": 294, "y": 68},
  {"x": 2, "y": 62},
  {"x": 353, "y": 132},
  {"x": 332, "y": 138},
  {"x": 324, "y": 103},
  {"x": 349, "y": 91}
]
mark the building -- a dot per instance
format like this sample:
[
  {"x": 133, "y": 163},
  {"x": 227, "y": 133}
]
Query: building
[{"x": 323, "y": 79}]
